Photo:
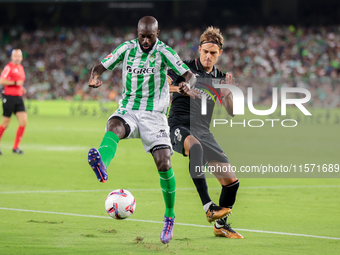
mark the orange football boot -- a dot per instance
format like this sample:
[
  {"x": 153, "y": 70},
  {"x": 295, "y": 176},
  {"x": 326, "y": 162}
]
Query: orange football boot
[
  {"x": 216, "y": 212},
  {"x": 227, "y": 231}
]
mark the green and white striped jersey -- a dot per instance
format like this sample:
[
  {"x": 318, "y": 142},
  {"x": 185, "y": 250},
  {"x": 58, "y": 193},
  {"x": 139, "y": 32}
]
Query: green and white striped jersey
[{"x": 144, "y": 74}]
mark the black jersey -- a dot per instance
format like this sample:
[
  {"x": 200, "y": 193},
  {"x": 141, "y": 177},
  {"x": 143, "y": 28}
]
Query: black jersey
[{"x": 187, "y": 111}]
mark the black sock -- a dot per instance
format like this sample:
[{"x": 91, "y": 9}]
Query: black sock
[
  {"x": 196, "y": 159},
  {"x": 228, "y": 197},
  {"x": 228, "y": 194}
]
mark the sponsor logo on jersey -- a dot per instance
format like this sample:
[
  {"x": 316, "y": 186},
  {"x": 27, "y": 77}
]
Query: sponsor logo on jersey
[
  {"x": 143, "y": 70},
  {"x": 215, "y": 82},
  {"x": 179, "y": 62},
  {"x": 162, "y": 133},
  {"x": 207, "y": 94}
]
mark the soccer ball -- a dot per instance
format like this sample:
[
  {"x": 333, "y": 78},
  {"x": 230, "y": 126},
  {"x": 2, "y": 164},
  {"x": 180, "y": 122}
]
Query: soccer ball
[{"x": 120, "y": 204}]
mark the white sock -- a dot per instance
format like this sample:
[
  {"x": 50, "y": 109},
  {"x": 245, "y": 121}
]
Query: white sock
[
  {"x": 218, "y": 225},
  {"x": 206, "y": 206}
]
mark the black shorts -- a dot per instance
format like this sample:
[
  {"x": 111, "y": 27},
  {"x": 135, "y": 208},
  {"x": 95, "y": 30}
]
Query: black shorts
[
  {"x": 12, "y": 104},
  {"x": 211, "y": 149}
]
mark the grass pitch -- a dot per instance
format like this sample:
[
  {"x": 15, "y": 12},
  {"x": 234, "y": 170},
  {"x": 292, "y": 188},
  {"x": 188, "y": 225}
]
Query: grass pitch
[{"x": 51, "y": 202}]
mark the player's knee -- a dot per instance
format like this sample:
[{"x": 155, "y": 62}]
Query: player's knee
[
  {"x": 161, "y": 155},
  {"x": 229, "y": 181},
  {"x": 163, "y": 165},
  {"x": 196, "y": 150},
  {"x": 23, "y": 123},
  {"x": 5, "y": 124},
  {"x": 188, "y": 143},
  {"x": 116, "y": 127},
  {"x": 234, "y": 180}
]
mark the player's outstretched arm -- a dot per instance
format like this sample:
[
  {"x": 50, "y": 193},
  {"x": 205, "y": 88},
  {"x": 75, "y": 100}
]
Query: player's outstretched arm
[
  {"x": 184, "y": 89},
  {"x": 172, "y": 87},
  {"x": 227, "y": 99},
  {"x": 190, "y": 78},
  {"x": 96, "y": 72}
]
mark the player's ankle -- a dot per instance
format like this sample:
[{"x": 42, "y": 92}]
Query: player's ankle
[{"x": 206, "y": 206}]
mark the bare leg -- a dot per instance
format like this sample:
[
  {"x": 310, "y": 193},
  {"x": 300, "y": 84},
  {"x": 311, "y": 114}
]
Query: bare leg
[{"x": 22, "y": 118}]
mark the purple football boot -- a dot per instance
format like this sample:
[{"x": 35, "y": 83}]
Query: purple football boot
[{"x": 97, "y": 165}]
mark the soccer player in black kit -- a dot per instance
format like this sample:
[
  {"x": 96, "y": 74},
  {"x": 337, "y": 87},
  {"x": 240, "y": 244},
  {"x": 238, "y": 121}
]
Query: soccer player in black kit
[{"x": 189, "y": 129}]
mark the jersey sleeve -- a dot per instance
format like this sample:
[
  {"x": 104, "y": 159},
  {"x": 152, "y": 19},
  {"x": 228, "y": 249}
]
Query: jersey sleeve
[
  {"x": 112, "y": 60},
  {"x": 5, "y": 73},
  {"x": 175, "y": 78},
  {"x": 173, "y": 61}
]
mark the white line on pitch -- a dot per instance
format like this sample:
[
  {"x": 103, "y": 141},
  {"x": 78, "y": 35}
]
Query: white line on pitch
[
  {"x": 161, "y": 222},
  {"x": 156, "y": 189}
]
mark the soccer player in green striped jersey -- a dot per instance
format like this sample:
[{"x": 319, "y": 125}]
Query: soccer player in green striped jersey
[{"x": 142, "y": 109}]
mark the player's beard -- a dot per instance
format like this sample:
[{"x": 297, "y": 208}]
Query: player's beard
[{"x": 148, "y": 49}]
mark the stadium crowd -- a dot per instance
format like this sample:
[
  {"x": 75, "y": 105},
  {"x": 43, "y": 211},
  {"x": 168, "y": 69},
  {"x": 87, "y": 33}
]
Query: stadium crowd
[{"x": 57, "y": 60}]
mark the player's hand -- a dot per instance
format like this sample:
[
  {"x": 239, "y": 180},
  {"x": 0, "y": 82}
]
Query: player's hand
[
  {"x": 94, "y": 82},
  {"x": 184, "y": 89},
  {"x": 230, "y": 80},
  {"x": 20, "y": 83},
  {"x": 24, "y": 91}
]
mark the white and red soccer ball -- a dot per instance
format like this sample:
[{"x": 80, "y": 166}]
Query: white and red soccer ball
[{"x": 120, "y": 204}]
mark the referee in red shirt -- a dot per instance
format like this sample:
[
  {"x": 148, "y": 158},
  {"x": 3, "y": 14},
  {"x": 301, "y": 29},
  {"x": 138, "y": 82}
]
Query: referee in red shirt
[{"x": 13, "y": 77}]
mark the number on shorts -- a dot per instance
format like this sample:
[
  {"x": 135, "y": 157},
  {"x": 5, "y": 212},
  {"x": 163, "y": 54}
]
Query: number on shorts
[{"x": 122, "y": 112}]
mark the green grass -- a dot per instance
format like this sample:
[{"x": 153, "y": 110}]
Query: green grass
[{"x": 56, "y": 143}]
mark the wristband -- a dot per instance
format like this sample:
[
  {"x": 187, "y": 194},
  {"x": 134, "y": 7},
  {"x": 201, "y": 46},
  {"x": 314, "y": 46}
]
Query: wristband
[{"x": 15, "y": 82}]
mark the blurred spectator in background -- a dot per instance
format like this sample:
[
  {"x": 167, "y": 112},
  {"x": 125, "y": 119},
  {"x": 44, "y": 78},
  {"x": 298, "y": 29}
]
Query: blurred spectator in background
[{"x": 58, "y": 60}]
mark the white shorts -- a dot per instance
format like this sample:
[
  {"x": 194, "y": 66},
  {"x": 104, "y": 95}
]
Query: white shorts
[{"x": 151, "y": 127}]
